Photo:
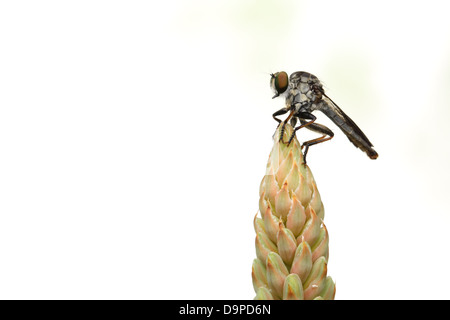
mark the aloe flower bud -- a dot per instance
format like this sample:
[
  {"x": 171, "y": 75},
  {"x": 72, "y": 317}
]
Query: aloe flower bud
[{"x": 291, "y": 238}]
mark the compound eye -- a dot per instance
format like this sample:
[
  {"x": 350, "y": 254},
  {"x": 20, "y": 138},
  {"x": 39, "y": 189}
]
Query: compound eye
[{"x": 281, "y": 82}]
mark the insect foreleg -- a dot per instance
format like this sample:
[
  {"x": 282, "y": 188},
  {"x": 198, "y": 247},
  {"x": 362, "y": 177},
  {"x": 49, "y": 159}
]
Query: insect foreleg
[
  {"x": 284, "y": 126},
  {"x": 279, "y": 113}
]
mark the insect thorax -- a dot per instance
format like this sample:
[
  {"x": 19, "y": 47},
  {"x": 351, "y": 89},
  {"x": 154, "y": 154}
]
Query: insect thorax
[{"x": 305, "y": 90}]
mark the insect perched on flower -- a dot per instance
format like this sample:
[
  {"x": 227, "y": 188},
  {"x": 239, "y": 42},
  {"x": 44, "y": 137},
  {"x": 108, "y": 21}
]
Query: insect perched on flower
[{"x": 304, "y": 93}]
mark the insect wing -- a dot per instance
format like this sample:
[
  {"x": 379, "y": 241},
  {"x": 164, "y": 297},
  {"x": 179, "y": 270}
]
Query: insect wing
[{"x": 344, "y": 122}]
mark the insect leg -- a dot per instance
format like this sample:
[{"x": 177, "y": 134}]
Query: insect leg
[
  {"x": 284, "y": 126},
  {"x": 302, "y": 116},
  {"x": 293, "y": 121},
  {"x": 320, "y": 128},
  {"x": 279, "y": 113}
]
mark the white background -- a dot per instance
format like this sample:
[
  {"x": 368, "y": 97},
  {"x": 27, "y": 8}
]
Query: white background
[{"x": 134, "y": 136}]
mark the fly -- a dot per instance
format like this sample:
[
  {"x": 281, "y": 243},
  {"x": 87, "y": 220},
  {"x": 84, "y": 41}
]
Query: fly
[{"x": 304, "y": 93}]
